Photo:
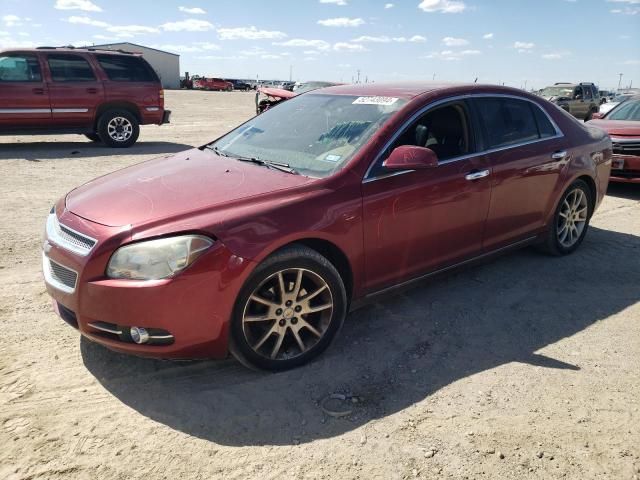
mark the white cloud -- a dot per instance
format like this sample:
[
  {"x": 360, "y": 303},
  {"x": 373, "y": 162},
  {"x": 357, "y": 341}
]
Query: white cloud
[
  {"x": 208, "y": 46},
  {"x": 84, "y": 5},
  {"x": 192, "y": 10},
  {"x": 342, "y": 3},
  {"x": 248, "y": 33},
  {"x": 270, "y": 56},
  {"x": 453, "y": 55},
  {"x": 370, "y": 39},
  {"x": 524, "y": 45},
  {"x": 188, "y": 25},
  {"x": 469, "y": 52},
  {"x": 12, "y": 21},
  {"x": 555, "y": 55},
  {"x": 488, "y": 36},
  {"x": 454, "y": 42},
  {"x": 387, "y": 6},
  {"x": 300, "y": 42},
  {"x": 87, "y": 21},
  {"x": 341, "y": 22},
  {"x": 442, "y": 6},
  {"x": 348, "y": 47},
  {"x": 628, "y": 8},
  {"x": 631, "y": 62},
  {"x": 418, "y": 39}
]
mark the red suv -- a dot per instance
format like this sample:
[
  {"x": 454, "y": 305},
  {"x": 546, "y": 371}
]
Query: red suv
[{"x": 102, "y": 94}]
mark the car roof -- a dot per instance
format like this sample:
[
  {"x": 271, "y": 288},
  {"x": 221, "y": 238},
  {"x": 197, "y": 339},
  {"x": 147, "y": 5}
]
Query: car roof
[{"x": 409, "y": 90}]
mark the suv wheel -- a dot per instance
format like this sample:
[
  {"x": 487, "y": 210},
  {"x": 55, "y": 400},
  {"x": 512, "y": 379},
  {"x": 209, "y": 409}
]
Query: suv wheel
[
  {"x": 289, "y": 310},
  {"x": 590, "y": 114},
  {"x": 118, "y": 128}
]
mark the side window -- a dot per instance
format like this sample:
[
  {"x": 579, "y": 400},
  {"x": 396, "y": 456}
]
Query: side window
[
  {"x": 120, "y": 68},
  {"x": 19, "y": 68},
  {"x": 587, "y": 93},
  {"x": 545, "y": 128},
  {"x": 444, "y": 129},
  {"x": 577, "y": 93},
  {"x": 70, "y": 68},
  {"x": 507, "y": 121}
]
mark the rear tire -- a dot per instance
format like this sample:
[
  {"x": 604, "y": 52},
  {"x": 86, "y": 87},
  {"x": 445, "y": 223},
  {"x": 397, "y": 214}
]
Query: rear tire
[
  {"x": 570, "y": 221},
  {"x": 118, "y": 128},
  {"x": 288, "y": 311},
  {"x": 589, "y": 115}
]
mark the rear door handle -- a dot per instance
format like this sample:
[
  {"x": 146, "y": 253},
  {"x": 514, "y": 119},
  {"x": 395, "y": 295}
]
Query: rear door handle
[
  {"x": 477, "y": 175},
  {"x": 38, "y": 91},
  {"x": 559, "y": 155},
  {"x": 92, "y": 90}
]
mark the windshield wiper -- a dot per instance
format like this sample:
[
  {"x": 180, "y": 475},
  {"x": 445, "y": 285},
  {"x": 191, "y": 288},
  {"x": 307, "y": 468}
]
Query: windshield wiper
[
  {"x": 217, "y": 150},
  {"x": 283, "y": 167}
]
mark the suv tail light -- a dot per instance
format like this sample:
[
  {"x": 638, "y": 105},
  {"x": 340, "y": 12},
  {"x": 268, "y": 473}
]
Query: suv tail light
[{"x": 161, "y": 93}]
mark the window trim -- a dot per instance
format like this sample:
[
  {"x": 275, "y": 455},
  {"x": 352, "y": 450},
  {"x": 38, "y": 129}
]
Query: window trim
[
  {"x": 470, "y": 96},
  {"x": 73, "y": 55},
  {"x": 25, "y": 55}
]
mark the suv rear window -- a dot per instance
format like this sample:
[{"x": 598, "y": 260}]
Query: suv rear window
[
  {"x": 70, "y": 68},
  {"x": 19, "y": 68},
  {"x": 126, "y": 69}
]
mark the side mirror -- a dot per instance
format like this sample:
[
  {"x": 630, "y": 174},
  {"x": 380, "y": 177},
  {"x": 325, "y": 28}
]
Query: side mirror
[
  {"x": 597, "y": 115},
  {"x": 578, "y": 97},
  {"x": 410, "y": 157}
]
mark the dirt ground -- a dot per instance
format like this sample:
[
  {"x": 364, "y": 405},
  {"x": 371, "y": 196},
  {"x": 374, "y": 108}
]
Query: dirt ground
[{"x": 525, "y": 367}]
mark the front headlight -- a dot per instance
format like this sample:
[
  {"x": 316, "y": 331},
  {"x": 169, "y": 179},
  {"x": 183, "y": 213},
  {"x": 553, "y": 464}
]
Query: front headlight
[{"x": 156, "y": 259}]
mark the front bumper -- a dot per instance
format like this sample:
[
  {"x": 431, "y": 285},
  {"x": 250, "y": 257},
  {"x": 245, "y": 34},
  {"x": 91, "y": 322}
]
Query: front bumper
[
  {"x": 194, "y": 307},
  {"x": 625, "y": 168}
]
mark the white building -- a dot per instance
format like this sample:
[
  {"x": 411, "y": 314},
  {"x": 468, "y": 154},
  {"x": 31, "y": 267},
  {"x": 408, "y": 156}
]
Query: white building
[{"x": 166, "y": 64}]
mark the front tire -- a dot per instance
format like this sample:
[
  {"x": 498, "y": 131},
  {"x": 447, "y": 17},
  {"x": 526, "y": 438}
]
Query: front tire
[
  {"x": 289, "y": 310},
  {"x": 118, "y": 128},
  {"x": 570, "y": 221}
]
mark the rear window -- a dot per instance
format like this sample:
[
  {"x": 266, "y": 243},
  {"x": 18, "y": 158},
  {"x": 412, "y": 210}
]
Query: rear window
[
  {"x": 126, "y": 69},
  {"x": 70, "y": 68}
]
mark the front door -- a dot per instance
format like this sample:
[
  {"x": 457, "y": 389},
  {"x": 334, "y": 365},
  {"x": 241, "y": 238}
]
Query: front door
[
  {"x": 422, "y": 220},
  {"x": 24, "y": 99},
  {"x": 74, "y": 89}
]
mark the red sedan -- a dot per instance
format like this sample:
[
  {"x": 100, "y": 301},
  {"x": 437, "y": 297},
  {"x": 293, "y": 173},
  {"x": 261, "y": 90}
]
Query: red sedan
[
  {"x": 623, "y": 126},
  {"x": 260, "y": 241}
]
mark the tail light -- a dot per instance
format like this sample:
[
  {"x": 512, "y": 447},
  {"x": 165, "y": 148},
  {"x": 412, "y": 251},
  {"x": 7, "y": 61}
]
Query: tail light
[{"x": 161, "y": 93}]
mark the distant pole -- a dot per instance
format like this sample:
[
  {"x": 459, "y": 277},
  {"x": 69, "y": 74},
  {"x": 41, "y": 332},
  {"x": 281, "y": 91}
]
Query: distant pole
[
  {"x": 620, "y": 80},
  {"x": 525, "y": 85},
  {"x": 476, "y": 80},
  {"x": 358, "y": 81},
  {"x": 434, "y": 77},
  {"x": 290, "y": 72}
]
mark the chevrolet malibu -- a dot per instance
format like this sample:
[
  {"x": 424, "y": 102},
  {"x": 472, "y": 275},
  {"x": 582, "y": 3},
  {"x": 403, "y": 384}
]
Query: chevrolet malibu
[{"x": 259, "y": 242}]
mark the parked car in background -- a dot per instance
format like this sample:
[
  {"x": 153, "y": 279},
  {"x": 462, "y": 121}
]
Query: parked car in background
[
  {"x": 581, "y": 100},
  {"x": 614, "y": 102},
  {"x": 623, "y": 126},
  {"x": 103, "y": 94},
  {"x": 267, "y": 97},
  {"x": 261, "y": 241},
  {"x": 240, "y": 85},
  {"x": 212, "y": 84}
]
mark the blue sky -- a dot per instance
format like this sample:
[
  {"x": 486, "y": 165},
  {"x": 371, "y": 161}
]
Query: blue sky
[{"x": 508, "y": 41}]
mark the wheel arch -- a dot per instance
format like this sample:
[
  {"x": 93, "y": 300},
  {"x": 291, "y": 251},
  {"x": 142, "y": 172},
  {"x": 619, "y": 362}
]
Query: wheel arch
[{"x": 122, "y": 105}]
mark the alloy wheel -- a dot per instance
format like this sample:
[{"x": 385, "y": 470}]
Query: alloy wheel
[
  {"x": 120, "y": 129},
  {"x": 572, "y": 218},
  {"x": 287, "y": 314}
]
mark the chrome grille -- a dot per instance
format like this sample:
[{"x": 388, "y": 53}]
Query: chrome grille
[
  {"x": 59, "y": 276},
  {"x": 626, "y": 148},
  {"x": 68, "y": 238}
]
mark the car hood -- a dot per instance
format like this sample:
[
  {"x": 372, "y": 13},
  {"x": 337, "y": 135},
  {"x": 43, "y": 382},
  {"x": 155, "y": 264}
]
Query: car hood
[
  {"x": 618, "y": 127},
  {"x": 172, "y": 186}
]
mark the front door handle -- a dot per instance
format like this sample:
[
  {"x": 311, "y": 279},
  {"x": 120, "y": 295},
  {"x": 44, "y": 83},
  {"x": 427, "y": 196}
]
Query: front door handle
[
  {"x": 477, "y": 175},
  {"x": 38, "y": 91},
  {"x": 92, "y": 90},
  {"x": 559, "y": 155}
]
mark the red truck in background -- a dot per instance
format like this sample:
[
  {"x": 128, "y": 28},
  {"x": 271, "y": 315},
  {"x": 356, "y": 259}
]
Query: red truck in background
[{"x": 215, "y": 84}]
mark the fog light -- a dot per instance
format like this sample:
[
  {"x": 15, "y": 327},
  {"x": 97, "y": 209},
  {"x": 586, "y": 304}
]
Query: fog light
[{"x": 139, "y": 335}]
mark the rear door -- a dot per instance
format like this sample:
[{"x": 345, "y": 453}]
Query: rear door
[
  {"x": 24, "y": 99},
  {"x": 525, "y": 151},
  {"x": 74, "y": 89}
]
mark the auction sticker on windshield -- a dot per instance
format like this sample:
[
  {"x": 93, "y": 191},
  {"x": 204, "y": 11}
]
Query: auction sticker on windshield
[{"x": 375, "y": 101}]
